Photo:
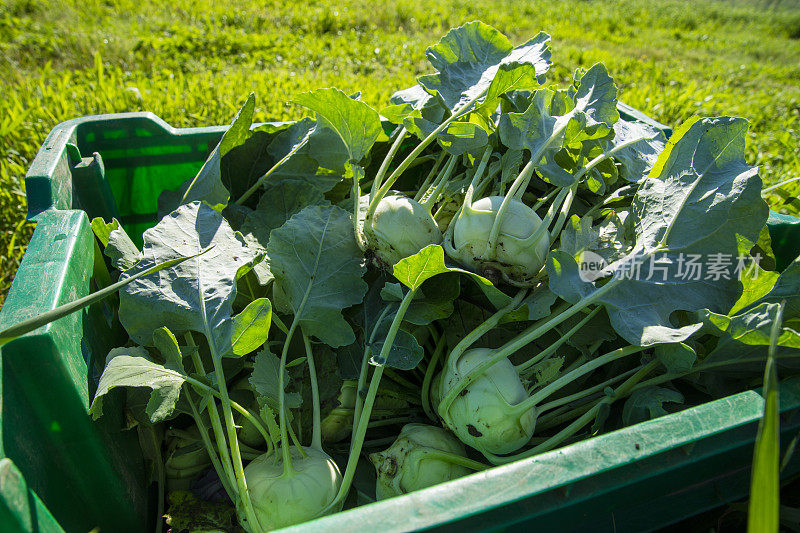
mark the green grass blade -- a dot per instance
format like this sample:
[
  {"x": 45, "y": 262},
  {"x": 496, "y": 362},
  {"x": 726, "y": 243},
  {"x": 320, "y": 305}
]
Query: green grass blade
[
  {"x": 26, "y": 326},
  {"x": 764, "y": 512}
]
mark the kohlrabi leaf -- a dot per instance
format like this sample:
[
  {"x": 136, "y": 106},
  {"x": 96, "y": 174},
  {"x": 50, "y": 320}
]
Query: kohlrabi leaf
[
  {"x": 532, "y": 129},
  {"x": 313, "y": 148},
  {"x": 462, "y": 137},
  {"x": 119, "y": 248},
  {"x": 539, "y": 302},
  {"x": 414, "y": 270},
  {"x": 636, "y": 145},
  {"x": 318, "y": 267},
  {"x": 250, "y": 328},
  {"x": 356, "y": 123},
  {"x": 699, "y": 196},
  {"x": 405, "y": 353},
  {"x": 132, "y": 367},
  {"x": 166, "y": 343},
  {"x": 515, "y": 76},
  {"x": 195, "y": 295},
  {"x": 595, "y": 111},
  {"x": 207, "y": 185},
  {"x": 577, "y": 235},
  {"x": 752, "y": 326},
  {"x": 278, "y": 204},
  {"x": 648, "y": 403},
  {"x": 701, "y": 193},
  {"x": 468, "y": 58},
  {"x": 677, "y": 357},
  {"x": 432, "y": 302},
  {"x": 787, "y": 287},
  {"x": 415, "y": 109},
  {"x": 264, "y": 380}
]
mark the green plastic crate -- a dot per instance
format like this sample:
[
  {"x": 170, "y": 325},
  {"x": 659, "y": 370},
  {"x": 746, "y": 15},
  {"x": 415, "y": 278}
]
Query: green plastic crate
[{"x": 61, "y": 470}]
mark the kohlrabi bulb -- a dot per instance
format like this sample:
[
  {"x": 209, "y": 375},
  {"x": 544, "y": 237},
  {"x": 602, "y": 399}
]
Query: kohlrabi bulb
[
  {"x": 411, "y": 462},
  {"x": 518, "y": 256},
  {"x": 400, "y": 227},
  {"x": 483, "y": 414},
  {"x": 280, "y": 500}
]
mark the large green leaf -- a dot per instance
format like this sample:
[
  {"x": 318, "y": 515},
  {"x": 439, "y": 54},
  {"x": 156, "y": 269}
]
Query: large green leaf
[
  {"x": 595, "y": 101},
  {"x": 250, "y": 328},
  {"x": 264, "y": 380},
  {"x": 278, "y": 204},
  {"x": 415, "y": 270},
  {"x": 699, "y": 196},
  {"x": 462, "y": 137},
  {"x": 468, "y": 58},
  {"x": 207, "y": 185},
  {"x": 315, "y": 148},
  {"x": 119, "y": 248},
  {"x": 195, "y": 295},
  {"x": 677, "y": 357},
  {"x": 132, "y": 367},
  {"x": 415, "y": 109},
  {"x": 532, "y": 128},
  {"x": 648, "y": 403},
  {"x": 356, "y": 123},
  {"x": 318, "y": 266},
  {"x": 636, "y": 145},
  {"x": 787, "y": 287}
]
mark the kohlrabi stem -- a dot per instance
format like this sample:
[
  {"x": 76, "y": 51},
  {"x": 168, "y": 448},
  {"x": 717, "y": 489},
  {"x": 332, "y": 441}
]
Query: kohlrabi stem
[
  {"x": 263, "y": 178},
  {"x": 482, "y": 329},
  {"x": 602, "y": 157},
  {"x": 545, "y": 199},
  {"x": 160, "y": 477},
  {"x": 539, "y": 232},
  {"x": 441, "y": 180},
  {"x": 516, "y": 187},
  {"x": 356, "y": 193},
  {"x": 361, "y": 429},
  {"x": 529, "y": 335},
  {"x": 574, "y": 427},
  {"x": 236, "y": 407},
  {"x": 222, "y": 473},
  {"x": 664, "y": 378},
  {"x": 316, "y": 431},
  {"x": 537, "y": 397},
  {"x": 227, "y": 413},
  {"x": 362, "y": 376},
  {"x": 286, "y": 453},
  {"x": 425, "y": 184},
  {"x": 563, "y": 213},
  {"x": 550, "y": 350},
  {"x": 385, "y": 187},
  {"x": 450, "y": 457},
  {"x": 219, "y": 434},
  {"x": 390, "y": 421},
  {"x": 376, "y": 182},
  {"x": 583, "y": 393},
  {"x": 426, "y": 382}
]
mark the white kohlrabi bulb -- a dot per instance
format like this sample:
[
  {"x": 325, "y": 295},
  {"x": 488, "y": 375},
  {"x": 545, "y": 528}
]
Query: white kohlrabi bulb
[
  {"x": 483, "y": 414},
  {"x": 400, "y": 227},
  {"x": 411, "y": 462},
  {"x": 518, "y": 257},
  {"x": 281, "y": 500}
]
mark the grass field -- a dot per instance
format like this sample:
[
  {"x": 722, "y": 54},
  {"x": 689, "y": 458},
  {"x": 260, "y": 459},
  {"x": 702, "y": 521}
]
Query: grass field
[{"x": 193, "y": 62}]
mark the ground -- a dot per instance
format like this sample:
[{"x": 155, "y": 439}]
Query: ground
[{"x": 192, "y": 62}]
